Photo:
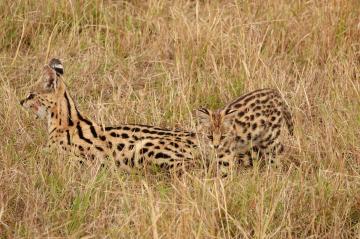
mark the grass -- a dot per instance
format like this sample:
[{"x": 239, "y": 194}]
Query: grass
[{"x": 155, "y": 62}]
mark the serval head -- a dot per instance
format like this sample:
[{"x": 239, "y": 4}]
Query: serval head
[
  {"x": 42, "y": 99},
  {"x": 215, "y": 125}
]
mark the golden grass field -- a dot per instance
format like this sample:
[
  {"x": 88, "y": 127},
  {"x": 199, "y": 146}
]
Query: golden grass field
[{"x": 154, "y": 63}]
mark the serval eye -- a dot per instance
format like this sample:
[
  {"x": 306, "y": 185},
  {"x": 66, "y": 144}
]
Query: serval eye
[
  {"x": 210, "y": 137},
  {"x": 222, "y": 137}
]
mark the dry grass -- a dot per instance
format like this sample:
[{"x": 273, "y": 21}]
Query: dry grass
[{"x": 153, "y": 63}]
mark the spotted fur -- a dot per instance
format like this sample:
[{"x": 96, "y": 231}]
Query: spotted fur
[
  {"x": 246, "y": 128},
  {"x": 131, "y": 146}
]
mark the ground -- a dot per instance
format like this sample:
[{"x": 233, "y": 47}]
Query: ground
[{"x": 155, "y": 62}]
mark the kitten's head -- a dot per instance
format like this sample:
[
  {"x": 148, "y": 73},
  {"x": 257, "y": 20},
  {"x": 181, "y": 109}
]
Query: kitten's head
[{"x": 215, "y": 125}]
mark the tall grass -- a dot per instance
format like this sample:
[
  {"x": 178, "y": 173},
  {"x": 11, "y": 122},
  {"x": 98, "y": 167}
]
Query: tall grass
[{"x": 154, "y": 62}]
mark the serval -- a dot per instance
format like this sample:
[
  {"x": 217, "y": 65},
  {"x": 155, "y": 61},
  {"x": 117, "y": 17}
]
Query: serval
[
  {"x": 129, "y": 145},
  {"x": 247, "y": 128}
]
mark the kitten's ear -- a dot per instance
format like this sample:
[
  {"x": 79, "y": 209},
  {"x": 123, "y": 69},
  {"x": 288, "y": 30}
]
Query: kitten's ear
[
  {"x": 57, "y": 66},
  {"x": 228, "y": 116},
  {"x": 229, "y": 112},
  {"x": 203, "y": 115}
]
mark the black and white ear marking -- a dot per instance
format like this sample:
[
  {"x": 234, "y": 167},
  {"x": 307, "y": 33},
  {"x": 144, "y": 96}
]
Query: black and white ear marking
[
  {"x": 204, "y": 111},
  {"x": 203, "y": 115},
  {"x": 230, "y": 111},
  {"x": 57, "y": 66},
  {"x": 227, "y": 116}
]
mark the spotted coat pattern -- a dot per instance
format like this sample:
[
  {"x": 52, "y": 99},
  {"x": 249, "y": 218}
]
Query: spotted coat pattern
[
  {"x": 247, "y": 128},
  {"x": 130, "y": 145}
]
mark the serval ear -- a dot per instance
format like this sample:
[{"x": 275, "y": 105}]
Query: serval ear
[
  {"x": 57, "y": 66},
  {"x": 227, "y": 115},
  {"x": 203, "y": 115},
  {"x": 229, "y": 112}
]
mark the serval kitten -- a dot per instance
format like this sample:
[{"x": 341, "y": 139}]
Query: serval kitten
[
  {"x": 246, "y": 128},
  {"x": 131, "y": 146}
]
